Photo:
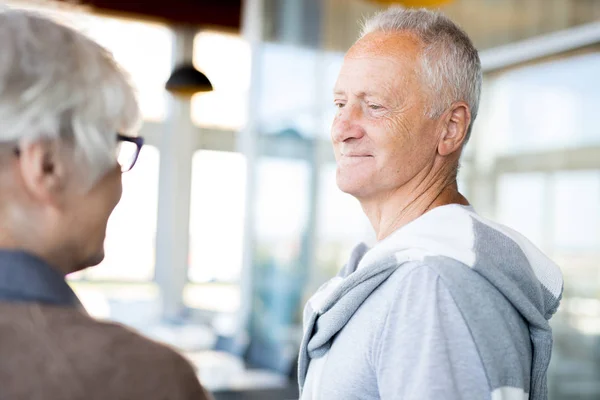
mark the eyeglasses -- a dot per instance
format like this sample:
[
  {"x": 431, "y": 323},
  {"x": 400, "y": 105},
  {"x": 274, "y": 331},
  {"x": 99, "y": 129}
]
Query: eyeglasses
[{"x": 128, "y": 150}]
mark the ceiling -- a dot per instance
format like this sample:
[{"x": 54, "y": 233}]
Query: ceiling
[
  {"x": 489, "y": 23},
  {"x": 221, "y": 13}
]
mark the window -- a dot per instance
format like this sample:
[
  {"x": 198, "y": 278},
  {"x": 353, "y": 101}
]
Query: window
[
  {"x": 280, "y": 255},
  {"x": 521, "y": 199},
  {"x": 331, "y": 65},
  {"x": 576, "y": 211},
  {"x": 217, "y": 212},
  {"x": 282, "y": 199},
  {"x": 547, "y": 106},
  {"x": 225, "y": 59},
  {"x": 217, "y": 216},
  {"x": 288, "y": 89}
]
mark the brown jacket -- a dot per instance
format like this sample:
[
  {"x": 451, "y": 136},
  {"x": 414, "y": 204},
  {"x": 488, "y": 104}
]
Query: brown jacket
[
  {"x": 60, "y": 353},
  {"x": 51, "y": 349}
]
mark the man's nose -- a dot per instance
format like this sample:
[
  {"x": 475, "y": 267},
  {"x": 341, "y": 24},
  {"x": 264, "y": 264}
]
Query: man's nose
[{"x": 347, "y": 124}]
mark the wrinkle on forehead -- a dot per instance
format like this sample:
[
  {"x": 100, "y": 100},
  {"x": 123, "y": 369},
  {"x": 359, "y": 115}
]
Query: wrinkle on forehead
[
  {"x": 394, "y": 45},
  {"x": 391, "y": 61}
]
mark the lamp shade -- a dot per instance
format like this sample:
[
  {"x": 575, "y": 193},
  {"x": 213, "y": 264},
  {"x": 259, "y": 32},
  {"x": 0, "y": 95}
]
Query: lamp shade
[
  {"x": 185, "y": 80},
  {"x": 414, "y": 3}
]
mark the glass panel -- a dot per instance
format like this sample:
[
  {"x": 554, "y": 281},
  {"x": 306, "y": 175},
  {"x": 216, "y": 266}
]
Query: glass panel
[
  {"x": 520, "y": 204},
  {"x": 217, "y": 297},
  {"x": 570, "y": 230},
  {"x": 280, "y": 266},
  {"x": 546, "y": 106},
  {"x": 332, "y": 63},
  {"x": 217, "y": 216},
  {"x": 282, "y": 203},
  {"x": 575, "y": 364},
  {"x": 288, "y": 90},
  {"x": 576, "y": 210},
  {"x": 225, "y": 59}
]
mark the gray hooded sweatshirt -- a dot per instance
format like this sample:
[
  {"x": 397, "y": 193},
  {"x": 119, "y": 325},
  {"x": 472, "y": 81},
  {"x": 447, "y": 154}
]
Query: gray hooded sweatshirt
[{"x": 450, "y": 306}]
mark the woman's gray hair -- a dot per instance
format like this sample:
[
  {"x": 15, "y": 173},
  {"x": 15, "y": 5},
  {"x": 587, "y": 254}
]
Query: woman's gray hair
[
  {"x": 451, "y": 65},
  {"x": 56, "y": 84}
]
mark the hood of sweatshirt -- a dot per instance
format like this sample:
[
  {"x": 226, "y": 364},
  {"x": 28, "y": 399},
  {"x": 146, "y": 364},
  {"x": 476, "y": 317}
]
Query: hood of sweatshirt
[{"x": 502, "y": 259}]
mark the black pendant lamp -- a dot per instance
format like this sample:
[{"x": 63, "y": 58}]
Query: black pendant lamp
[{"x": 186, "y": 80}]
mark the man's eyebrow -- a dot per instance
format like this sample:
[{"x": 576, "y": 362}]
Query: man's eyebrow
[{"x": 361, "y": 94}]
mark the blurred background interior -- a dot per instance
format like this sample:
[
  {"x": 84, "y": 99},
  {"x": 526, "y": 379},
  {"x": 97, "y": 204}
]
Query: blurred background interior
[{"x": 232, "y": 218}]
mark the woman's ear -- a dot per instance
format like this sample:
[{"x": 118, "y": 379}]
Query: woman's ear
[{"x": 43, "y": 171}]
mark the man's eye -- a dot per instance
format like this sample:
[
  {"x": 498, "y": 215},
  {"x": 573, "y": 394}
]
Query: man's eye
[
  {"x": 375, "y": 107},
  {"x": 339, "y": 104}
]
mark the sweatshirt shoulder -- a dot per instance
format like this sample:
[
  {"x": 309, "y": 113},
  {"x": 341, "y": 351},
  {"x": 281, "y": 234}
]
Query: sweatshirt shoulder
[{"x": 427, "y": 269}]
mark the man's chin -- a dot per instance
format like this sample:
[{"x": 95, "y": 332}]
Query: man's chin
[
  {"x": 359, "y": 193},
  {"x": 352, "y": 186}
]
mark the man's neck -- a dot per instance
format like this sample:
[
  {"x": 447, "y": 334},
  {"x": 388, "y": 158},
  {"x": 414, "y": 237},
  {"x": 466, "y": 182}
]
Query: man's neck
[{"x": 396, "y": 209}]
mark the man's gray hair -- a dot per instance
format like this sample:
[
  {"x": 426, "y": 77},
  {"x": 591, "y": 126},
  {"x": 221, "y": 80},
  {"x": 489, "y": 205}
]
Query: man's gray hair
[
  {"x": 56, "y": 84},
  {"x": 451, "y": 65}
]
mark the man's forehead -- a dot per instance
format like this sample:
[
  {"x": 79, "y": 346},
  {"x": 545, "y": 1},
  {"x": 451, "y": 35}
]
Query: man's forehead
[
  {"x": 386, "y": 44},
  {"x": 387, "y": 58}
]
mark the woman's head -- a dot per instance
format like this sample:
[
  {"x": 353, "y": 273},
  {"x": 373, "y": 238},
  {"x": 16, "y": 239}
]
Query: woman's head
[{"x": 63, "y": 99}]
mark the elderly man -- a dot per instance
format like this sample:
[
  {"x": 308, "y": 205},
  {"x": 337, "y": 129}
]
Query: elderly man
[
  {"x": 446, "y": 305},
  {"x": 62, "y": 101}
]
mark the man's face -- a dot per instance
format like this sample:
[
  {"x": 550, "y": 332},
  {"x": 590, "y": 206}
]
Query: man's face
[{"x": 381, "y": 134}]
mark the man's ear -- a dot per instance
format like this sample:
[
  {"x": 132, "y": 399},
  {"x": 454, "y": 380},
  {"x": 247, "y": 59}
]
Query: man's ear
[
  {"x": 42, "y": 168},
  {"x": 456, "y": 125}
]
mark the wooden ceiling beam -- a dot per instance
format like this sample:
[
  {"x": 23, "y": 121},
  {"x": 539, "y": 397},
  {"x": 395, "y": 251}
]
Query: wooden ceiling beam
[{"x": 223, "y": 13}]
